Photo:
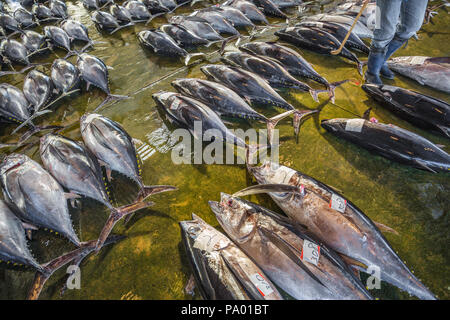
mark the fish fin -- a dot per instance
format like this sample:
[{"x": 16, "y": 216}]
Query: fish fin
[
  {"x": 267, "y": 188},
  {"x": 147, "y": 191},
  {"x": 29, "y": 226},
  {"x": 366, "y": 115},
  {"x": 352, "y": 262},
  {"x": 423, "y": 166},
  {"x": 252, "y": 150},
  {"x": 116, "y": 215},
  {"x": 109, "y": 98},
  {"x": 28, "y": 121},
  {"x": 332, "y": 86},
  {"x": 121, "y": 27},
  {"x": 291, "y": 252},
  {"x": 385, "y": 228},
  {"x": 299, "y": 115},
  {"x": 71, "y": 195},
  {"x": 60, "y": 97},
  {"x": 192, "y": 55},
  {"x": 272, "y": 122},
  {"x": 49, "y": 268}
]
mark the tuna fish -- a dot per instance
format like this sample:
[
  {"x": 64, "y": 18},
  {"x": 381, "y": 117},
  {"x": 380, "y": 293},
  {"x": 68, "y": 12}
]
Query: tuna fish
[
  {"x": 114, "y": 149},
  {"x": 391, "y": 142},
  {"x": 251, "y": 87},
  {"x": 339, "y": 32},
  {"x": 221, "y": 270},
  {"x": 337, "y": 221},
  {"x": 76, "y": 168},
  {"x": 33, "y": 41},
  {"x": 58, "y": 37},
  {"x": 65, "y": 76},
  {"x": 316, "y": 40},
  {"x": 249, "y": 10},
  {"x": 38, "y": 89},
  {"x": 270, "y": 8},
  {"x": 433, "y": 72},
  {"x": 105, "y": 21},
  {"x": 24, "y": 18},
  {"x": 217, "y": 21},
  {"x": 8, "y": 23},
  {"x": 14, "y": 51},
  {"x": 279, "y": 249},
  {"x": 224, "y": 101},
  {"x": 198, "y": 26},
  {"x": 419, "y": 109},
  {"x": 121, "y": 14},
  {"x": 272, "y": 71},
  {"x": 182, "y": 36},
  {"x": 290, "y": 59},
  {"x": 35, "y": 196},
  {"x": 42, "y": 13},
  {"x": 94, "y": 71},
  {"x": 360, "y": 29},
  {"x": 76, "y": 31},
  {"x": 138, "y": 11},
  {"x": 234, "y": 16},
  {"x": 164, "y": 45}
]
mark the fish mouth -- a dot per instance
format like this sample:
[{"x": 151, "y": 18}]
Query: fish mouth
[
  {"x": 11, "y": 162},
  {"x": 371, "y": 88}
]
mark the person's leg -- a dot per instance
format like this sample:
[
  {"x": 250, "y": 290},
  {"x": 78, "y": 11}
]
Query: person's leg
[
  {"x": 389, "y": 12},
  {"x": 412, "y": 14}
]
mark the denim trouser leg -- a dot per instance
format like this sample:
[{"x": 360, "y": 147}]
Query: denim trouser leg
[
  {"x": 389, "y": 11},
  {"x": 412, "y": 13}
]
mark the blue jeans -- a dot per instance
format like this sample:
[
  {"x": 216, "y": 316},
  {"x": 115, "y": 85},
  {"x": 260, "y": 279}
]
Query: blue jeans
[{"x": 411, "y": 13}]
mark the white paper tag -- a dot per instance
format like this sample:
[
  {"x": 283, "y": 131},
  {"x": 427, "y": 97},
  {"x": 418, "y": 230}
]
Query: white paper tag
[
  {"x": 310, "y": 252},
  {"x": 175, "y": 104},
  {"x": 337, "y": 203},
  {"x": 207, "y": 240},
  {"x": 261, "y": 284},
  {"x": 418, "y": 60},
  {"x": 354, "y": 125}
]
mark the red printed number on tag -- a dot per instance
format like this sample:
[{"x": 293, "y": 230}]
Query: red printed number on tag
[
  {"x": 338, "y": 203},
  {"x": 261, "y": 284}
]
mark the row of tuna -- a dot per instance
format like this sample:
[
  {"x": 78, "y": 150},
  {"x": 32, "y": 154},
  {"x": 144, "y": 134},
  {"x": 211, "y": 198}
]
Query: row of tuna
[{"x": 36, "y": 198}]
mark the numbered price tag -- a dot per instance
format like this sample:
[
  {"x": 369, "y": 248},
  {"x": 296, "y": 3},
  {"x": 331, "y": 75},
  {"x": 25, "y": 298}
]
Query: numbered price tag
[
  {"x": 207, "y": 240},
  {"x": 354, "y": 125},
  {"x": 261, "y": 284},
  {"x": 338, "y": 203},
  {"x": 310, "y": 252}
]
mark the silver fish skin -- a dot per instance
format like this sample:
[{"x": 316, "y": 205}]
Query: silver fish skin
[
  {"x": 351, "y": 233},
  {"x": 32, "y": 40},
  {"x": 35, "y": 196},
  {"x": 14, "y": 51},
  {"x": 433, "y": 72},
  {"x": 217, "y": 21},
  {"x": 58, "y": 9},
  {"x": 94, "y": 71},
  {"x": 234, "y": 16},
  {"x": 276, "y": 247},
  {"x": 249, "y": 10},
  {"x": 111, "y": 144},
  {"x": 186, "y": 111},
  {"x": 13, "y": 243},
  {"x": 74, "y": 167},
  {"x": 65, "y": 75},
  {"x": 199, "y": 26},
  {"x": 221, "y": 269},
  {"x": 58, "y": 37},
  {"x": 360, "y": 29},
  {"x": 38, "y": 89},
  {"x": 248, "y": 85},
  {"x": 75, "y": 30}
]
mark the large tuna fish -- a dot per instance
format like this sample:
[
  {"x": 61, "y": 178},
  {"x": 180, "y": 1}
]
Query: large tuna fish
[
  {"x": 114, "y": 148},
  {"x": 360, "y": 29},
  {"x": 249, "y": 10},
  {"x": 199, "y": 26},
  {"x": 35, "y": 196},
  {"x": 221, "y": 270},
  {"x": 76, "y": 168},
  {"x": 422, "y": 110},
  {"x": 317, "y": 40},
  {"x": 225, "y": 101},
  {"x": 391, "y": 142},
  {"x": 297, "y": 263},
  {"x": 251, "y": 87},
  {"x": 433, "y": 72},
  {"x": 217, "y": 21},
  {"x": 337, "y": 221},
  {"x": 38, "y": 89}
]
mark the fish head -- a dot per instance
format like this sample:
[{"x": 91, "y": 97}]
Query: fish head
[
  {"x": 236, "y": 217},
  {"x": 164, "y": 98},
  {"x": 88, "y": 118},
  {"x": 12, "y": 161},
  {"x": 334, "y": 125},
  {"x": 45, "y": 141},
  {"x": 183, "y": 86}
]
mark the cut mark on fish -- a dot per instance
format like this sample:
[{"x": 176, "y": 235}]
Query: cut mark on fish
[
  {"x": 354, "y": 125},
  {"x": 261, "y": 284},
  {"x": 310, "y": 252},
  {"x": 337, "y": 203}
]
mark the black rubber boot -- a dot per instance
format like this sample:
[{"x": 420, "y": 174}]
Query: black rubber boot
[
  {"x": 393, "y": 46},
  {"x": 376, "y": 60}
]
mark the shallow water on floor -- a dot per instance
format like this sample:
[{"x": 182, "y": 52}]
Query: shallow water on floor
[{"x": 151, "y": 263}]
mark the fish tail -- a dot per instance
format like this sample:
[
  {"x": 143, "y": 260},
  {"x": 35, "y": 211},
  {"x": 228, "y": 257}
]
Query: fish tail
[
  {"x": 121, "y": 27},
  {"x": 251, "y": 152},
  {"x": 115, "y": 216},
  {"x": 60, "y": 97},
  {"x": 272, "y": 122},
  {"x": 189, "y": 56},
  {"x": 46, "y": 270},
  {"x": 30, "y": 119},
  {"x": 147, "y": 191},
  {"x": 299, "y": 115},
  {"x": 332, "y": 86},
  {"x": 360, "y": 65}
]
